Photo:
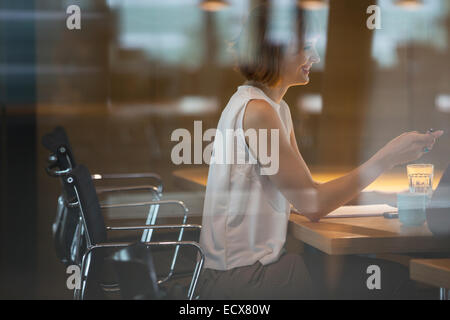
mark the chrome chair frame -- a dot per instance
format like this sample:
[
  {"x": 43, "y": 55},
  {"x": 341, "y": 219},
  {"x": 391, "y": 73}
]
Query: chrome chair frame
[
  {"x": 153, "y": 210},
  {"x": 79, "y": 294},
  {"x": 85, "y": 261},
  {"x": 146, "y": 237},
  {"x": 53, "y": 161},
  {"x": 62, "y": 155},
  {"x": 144, "y": 175},
  {"x": 79, "y": 232},
  {"x": 151, "y": 217}
]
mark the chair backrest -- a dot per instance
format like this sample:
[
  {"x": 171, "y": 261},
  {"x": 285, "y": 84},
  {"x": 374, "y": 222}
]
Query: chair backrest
[
  {"x": 58, "y": 144},
  {"x": 67, "y": 235},
  {"x": 136, "y": 273},
  {"x": 80, "y": 180}
]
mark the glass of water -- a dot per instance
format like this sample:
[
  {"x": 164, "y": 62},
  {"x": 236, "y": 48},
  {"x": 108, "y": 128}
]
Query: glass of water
[{"x": 420, "y": 178}]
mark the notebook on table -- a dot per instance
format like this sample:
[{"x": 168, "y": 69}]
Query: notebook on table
[{"x": 370, "y": 210}]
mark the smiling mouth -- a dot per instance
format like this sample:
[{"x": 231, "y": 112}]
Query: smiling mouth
[{"x": 306, "y": 69}]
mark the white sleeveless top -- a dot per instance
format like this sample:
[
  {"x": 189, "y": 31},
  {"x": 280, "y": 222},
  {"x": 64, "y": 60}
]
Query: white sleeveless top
[{"x": 245, "y": 216}]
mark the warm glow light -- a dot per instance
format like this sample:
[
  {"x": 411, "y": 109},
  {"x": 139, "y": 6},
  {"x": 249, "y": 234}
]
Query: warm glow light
[
  {"x": 213, "y": 5},
  {"x": 409, "y": 4},
  {"x": 313, "y": 4},
  {"x": 389, "y": 182}
]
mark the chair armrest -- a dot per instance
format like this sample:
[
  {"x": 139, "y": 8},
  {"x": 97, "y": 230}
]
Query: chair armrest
[
  {"x": 150, "y": 188},
  {"x": 117, "y": 245},
  {"x": 73, "y": 204},
  {"x": 56, "y": 173},
  {"x": 146, "y": 203},
  {"x": 150, "y": 226},
  {"x": 145, "y": 175},
  {"x": 160, "y": 226}
]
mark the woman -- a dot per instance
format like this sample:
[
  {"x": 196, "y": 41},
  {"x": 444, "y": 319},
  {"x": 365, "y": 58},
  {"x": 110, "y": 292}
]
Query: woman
[{"x": 247, "y": 208}]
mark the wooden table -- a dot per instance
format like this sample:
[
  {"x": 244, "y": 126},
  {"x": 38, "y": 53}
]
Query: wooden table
[
  {"x": 341, "y": 236},
  {"x": 435, "y": 272},
  {"x": 365, "y": 235},
  {"x": 191, "y": 179}
]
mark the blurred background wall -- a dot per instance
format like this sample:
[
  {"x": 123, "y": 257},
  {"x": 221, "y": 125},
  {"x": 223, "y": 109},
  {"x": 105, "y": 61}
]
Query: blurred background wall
[{"x": 18, "y": 152}]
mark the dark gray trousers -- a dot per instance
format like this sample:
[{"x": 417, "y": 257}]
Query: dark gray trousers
[
  {"x": 288, "y": 278},
  {"x": 310, "y": 275}
]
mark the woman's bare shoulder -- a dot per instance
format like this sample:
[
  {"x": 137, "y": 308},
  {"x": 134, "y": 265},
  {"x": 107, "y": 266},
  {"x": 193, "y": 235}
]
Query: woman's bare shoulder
[{"x": 260, "y": 114}]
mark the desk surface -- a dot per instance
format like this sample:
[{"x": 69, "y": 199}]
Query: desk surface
[
  {"x": 435, "y": 272},
  {"x": 191, "y": 178},
  {"x": 364, "y": 235}
]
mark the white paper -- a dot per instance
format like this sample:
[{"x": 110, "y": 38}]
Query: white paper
[{"x": 370, "y": 210}]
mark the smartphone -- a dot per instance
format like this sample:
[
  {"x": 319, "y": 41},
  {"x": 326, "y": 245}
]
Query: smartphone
[{"x": 390, "y": 215}]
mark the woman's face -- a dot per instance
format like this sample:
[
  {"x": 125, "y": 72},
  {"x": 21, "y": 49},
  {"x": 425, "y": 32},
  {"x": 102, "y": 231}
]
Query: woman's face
[{"x": 297, "y": 64}]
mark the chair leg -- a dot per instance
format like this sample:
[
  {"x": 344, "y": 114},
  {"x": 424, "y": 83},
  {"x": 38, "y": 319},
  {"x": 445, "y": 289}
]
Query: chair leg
[
  {"x": 85, "y": 264},
  {"x": 76, "y": 294},
  {"x": 175, "y": 255},
  {"x": 151, "y": 220},
  {"x": 443, "y": 294},
  {"x": 195, "y": 276}
]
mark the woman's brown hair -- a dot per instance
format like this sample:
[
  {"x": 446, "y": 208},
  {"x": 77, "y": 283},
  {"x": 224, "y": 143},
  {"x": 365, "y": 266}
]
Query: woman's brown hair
[{"x": 259, "y": 58}]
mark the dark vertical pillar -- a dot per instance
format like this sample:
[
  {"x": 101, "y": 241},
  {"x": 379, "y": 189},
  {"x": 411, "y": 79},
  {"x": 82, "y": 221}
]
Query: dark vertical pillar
[
  {"x": 347, "y": 78},
  {"x": 209, "y": 66},
  {"x": 18, "y": 150}
]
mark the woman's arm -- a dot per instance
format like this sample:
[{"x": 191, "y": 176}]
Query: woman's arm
[
  {"x": 294, "y": 145},
  {"x": 294, "y": 179}
]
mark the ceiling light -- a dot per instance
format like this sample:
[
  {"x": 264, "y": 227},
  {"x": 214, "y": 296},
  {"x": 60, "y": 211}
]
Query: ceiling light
[
  {"x": 409, "y": 4},
  {"x": 214, "y": 5},
  {"x": 313, "y": 4}
]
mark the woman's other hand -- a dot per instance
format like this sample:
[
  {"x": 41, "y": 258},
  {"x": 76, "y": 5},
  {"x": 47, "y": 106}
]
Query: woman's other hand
[{"x": 408, "y": 146}]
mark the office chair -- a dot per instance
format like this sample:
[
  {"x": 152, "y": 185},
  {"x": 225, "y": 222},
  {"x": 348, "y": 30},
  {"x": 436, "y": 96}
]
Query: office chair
[
  {"x": 67, "y": 230},
  {"x": 136, "y": 273},
  {"x": 79, "y": 179}
]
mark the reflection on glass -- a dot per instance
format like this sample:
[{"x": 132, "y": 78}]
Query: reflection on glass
[
  {"x": 400, "y": 26},
  {"x": 158, "y": 28},
  {"x": 442, "y": 102}
]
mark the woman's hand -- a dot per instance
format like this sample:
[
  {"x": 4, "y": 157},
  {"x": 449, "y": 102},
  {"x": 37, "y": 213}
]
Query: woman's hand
[{"x": 408, "y": 146}]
